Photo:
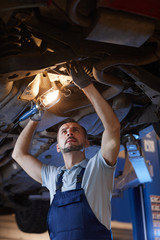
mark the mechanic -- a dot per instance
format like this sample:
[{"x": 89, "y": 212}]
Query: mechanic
[{"x": 80, "y": 192}]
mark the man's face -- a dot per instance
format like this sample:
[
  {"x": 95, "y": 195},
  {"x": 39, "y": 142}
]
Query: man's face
[{"x": 71, "y": 137}]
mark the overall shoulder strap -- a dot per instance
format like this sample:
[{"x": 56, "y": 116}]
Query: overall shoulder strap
[
  {"x": 79, "y": 178},
  {"x": 59, "y": 183}
]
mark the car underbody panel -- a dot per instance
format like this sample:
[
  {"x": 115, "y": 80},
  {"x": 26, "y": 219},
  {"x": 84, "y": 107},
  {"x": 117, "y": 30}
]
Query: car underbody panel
[{"x": 119, "y": 48}]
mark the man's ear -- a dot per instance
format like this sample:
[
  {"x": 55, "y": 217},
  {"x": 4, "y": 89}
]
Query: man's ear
[
  {"x": 87, "y": 143},
  {"x": 58, "y": 148}
]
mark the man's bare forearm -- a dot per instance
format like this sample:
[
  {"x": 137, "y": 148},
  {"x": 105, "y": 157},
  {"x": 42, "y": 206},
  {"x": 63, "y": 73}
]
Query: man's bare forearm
[
  {"x": 21, "y": 154},
  {"x": 111, "y": 136},
  {"x": 102, "y": 108},
  {"x": 22, "y": 145}
]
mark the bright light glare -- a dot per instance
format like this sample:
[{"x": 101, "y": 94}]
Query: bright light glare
[{"x": 49, "y": 98}]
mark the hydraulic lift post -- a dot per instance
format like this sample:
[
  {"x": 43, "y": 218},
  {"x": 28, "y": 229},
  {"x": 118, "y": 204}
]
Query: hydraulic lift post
[
  {"x": 141, "y": 213},
  {"x": 136, "y": 174}
]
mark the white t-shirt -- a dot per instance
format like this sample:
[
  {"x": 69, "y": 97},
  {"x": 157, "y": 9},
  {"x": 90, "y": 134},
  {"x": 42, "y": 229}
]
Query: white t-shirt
[{"x": 97, "y": 184}]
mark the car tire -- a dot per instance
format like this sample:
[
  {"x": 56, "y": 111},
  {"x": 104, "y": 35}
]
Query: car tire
[{"x": 34, "y": 218}]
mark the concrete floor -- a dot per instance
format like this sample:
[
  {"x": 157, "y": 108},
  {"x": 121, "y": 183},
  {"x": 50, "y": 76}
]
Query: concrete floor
[{"x": 10, "y": 231}]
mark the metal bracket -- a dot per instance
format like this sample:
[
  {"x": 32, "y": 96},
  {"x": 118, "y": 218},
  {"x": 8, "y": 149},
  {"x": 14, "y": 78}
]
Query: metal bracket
[
  {"x": 137, "y": 169},
  {"x": 137, "y": 159}
]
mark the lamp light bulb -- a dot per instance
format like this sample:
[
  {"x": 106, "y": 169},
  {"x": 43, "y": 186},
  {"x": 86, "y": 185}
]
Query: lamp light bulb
[{"x": 50, "y": 98}]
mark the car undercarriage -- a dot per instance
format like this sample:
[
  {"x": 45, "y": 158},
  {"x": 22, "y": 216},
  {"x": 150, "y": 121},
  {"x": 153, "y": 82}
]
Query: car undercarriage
[{"x": 118, "y": 48}]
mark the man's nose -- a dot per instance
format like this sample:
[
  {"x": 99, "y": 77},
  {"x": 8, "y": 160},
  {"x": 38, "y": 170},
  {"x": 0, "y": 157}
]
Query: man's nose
[{"x": 69, "y": 132}]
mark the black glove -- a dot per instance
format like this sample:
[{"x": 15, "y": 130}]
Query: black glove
[{"x": 79, "y": 76}]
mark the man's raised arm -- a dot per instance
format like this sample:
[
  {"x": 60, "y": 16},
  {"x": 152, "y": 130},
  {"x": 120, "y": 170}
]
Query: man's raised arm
[
  {"x": 31, "y": 165},
  {"x": 111, "y": 136}
]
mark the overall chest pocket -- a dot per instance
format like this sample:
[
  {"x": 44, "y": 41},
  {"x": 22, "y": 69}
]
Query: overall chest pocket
[
  {"x": 69, "y": 211},
  {"x": 67, "y": 200}
]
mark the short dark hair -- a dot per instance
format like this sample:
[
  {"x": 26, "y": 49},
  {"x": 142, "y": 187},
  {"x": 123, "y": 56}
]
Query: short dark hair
[{"x": 70, "y": 120}]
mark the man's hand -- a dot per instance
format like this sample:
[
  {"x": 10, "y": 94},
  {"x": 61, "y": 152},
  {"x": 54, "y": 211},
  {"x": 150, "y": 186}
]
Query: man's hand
[
  {"x": 79, "y": 76},
  {"x": 38, "y": 116}
]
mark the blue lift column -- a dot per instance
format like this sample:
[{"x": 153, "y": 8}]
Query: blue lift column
[
  {"x": 141, "y": 213},
  {"x": 145, "y": 198}
]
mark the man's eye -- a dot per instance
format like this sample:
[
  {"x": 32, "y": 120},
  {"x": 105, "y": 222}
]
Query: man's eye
[
  {"x": 76, "y": 130},
  {"x": 63, "y": 132}
]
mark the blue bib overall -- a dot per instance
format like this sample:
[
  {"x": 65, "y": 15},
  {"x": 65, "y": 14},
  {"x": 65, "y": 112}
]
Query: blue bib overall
[{"x": 71, "y": 218}]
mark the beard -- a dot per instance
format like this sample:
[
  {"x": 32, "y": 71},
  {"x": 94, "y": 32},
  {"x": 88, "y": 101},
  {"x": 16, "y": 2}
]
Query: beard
[{"x": 72, "y": 148}]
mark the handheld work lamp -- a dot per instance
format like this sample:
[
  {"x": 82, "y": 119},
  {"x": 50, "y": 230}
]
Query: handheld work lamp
[
  {"x": 45, "y": 101},
  {"x": 49, "y": 98}
]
